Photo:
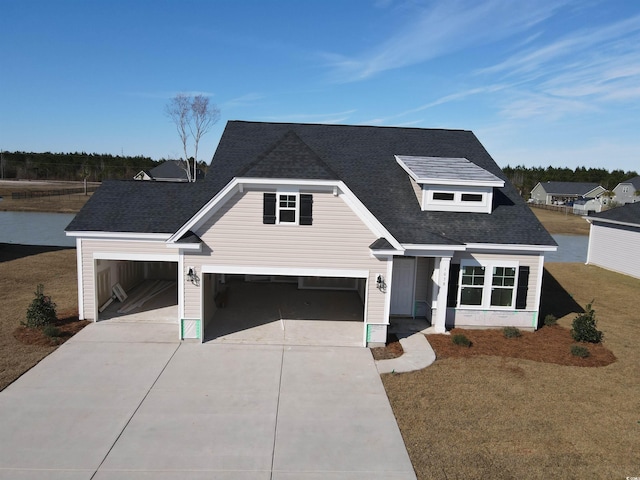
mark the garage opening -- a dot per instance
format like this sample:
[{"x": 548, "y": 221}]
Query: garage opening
[
  {"x": 287, "y": 310},
  {"x": 137, "y": 291}
]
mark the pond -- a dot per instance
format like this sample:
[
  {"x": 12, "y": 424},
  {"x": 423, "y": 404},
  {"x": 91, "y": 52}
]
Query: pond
[
  {"x": 571, "y": 248},
  {"x": 35, "y": 228}
]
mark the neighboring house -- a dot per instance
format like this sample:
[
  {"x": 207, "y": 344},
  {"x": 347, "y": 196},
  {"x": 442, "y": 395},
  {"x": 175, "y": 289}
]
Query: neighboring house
[
  {"x": 614, "y": 239},
  {"x": 417, "y": 222},
  {"x": 627, "y": 191},
  {"x": 169, "y": 171},
  {"x": 562, "y": 193}
]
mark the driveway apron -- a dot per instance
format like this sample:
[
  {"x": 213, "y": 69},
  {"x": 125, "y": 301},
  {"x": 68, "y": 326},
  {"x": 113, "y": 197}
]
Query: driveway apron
[{"x": 130, "y": 401}]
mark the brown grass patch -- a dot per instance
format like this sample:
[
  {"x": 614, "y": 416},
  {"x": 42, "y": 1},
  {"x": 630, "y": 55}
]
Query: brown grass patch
[
  {"x": 392, "y": 349},
  {"x": 489, "y": 416},
  {"x": 561, "y": 223},
  {"x": 58, "y": 204},
  {"x": 21, "y": 269},
  {"x": 548, "y": 344}
]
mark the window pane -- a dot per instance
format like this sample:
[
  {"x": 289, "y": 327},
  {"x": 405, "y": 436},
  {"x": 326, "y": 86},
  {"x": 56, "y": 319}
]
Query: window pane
[
  {"x": 471, "y": 197},
  {"x": 443, "y": 196},
  {"x": 503, "y": 277},
  {"x": 501, "y": 297},
  {"x": 287, "y": 216},
  {"x": 287, "y": 201},
  {"x": 471, "y": 296}
]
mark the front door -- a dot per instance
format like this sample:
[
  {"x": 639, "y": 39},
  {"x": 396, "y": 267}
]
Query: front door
[{"x": 402, "y": 286}]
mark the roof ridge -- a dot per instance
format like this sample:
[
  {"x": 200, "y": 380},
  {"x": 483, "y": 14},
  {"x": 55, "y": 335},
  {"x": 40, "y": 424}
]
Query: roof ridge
[
  {"x": 331, "y": 125},
  {"x": 289, "y": 135}
]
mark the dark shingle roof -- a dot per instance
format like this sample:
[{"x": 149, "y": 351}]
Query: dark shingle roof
[
  {"x": 172, "y": 170},
  {"x": 361, "y": 156},
  {"x": 629, "y": 213},
  {"x": 138, "y": 206},
  {"x": 635, "y": 181},
  {"x": 568, "y": 188}
]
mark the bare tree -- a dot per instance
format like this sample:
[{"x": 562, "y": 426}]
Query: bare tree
[{"x": 193, "y": 117}]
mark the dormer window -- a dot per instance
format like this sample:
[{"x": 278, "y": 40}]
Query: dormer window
[
  {"x": 287, "y": 208},
  {"x": 445, "y": 184}
]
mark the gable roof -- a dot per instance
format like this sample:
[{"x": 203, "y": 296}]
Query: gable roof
[
  {"x": 628, "y": 214},
  {"x": 635, "y": 181},
  {"x": 568, "y": 188},
  {"x": 362, "y": 157}
]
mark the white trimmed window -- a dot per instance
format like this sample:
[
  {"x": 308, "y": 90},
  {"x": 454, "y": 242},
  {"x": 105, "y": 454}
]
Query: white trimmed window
[
  {"x": 490, "y": 285},
  {"x": 287, "y": 211},
  {"x": 287, "y": 208}
]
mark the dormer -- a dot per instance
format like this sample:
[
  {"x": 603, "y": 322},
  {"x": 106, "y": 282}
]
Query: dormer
[{"x": 445, "y": 184}]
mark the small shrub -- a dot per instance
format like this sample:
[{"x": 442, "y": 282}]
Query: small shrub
[
  {"x": 584, "y": 327},
  {"x": 51, "y": 331},
  {"x": 511, "y": 332},
  {"x": 42, "y": 310},
  {"x": 460, "y": 339},
  {"x": 550, "y": 320},
  {"x": 579, "y": 351}
]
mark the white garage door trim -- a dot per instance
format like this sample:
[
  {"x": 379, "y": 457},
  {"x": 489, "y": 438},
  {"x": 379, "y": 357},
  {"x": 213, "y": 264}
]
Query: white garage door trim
[{"x": 285, "y": 271}]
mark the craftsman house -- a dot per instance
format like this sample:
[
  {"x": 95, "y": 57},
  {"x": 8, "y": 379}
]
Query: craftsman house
[{"x": 408, "y": 222}]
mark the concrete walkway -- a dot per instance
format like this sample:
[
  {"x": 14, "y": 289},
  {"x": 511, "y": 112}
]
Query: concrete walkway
[
  {"x": 129, "y": 401},
  {"x": 418, "y": 353}
]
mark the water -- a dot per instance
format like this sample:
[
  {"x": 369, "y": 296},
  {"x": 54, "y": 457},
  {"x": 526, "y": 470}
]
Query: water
[
  {"x": 34, "y": 228},
  {"x": 571, "y": 248}
]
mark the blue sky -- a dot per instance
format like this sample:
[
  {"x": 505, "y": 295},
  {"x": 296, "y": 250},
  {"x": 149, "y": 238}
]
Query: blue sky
[{"x": 539, "y": 82}]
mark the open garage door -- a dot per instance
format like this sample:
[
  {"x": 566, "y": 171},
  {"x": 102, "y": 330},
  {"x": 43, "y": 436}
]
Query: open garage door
[
  {"x": 284, "y": 309},
  {"x": 137, "y": 291}
]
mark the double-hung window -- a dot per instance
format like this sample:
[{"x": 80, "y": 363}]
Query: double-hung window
[
  {"x": 287, "y": 208},
  {"x": 487, "y": 285}
]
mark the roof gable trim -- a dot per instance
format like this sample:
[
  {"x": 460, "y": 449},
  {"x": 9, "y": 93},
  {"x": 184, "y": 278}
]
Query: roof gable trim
[{"x": 237, "y": 184}]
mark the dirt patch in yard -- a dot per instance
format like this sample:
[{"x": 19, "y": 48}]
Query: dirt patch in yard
[
  {"x": 392, "y": 349},
  {"x": 549, "y": 344},
  {"x": 67, "y": 325},
  {"x": 562, "y": 223}
]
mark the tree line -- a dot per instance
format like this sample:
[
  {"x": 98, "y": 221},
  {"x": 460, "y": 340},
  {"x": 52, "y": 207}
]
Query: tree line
[
  {"x": 72, "y": 166},
  {"x": 525, "y": 178}
]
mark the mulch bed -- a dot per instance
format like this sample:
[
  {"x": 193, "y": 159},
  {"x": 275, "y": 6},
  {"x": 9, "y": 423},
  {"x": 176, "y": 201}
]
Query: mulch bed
[
  {"x": 68, "y": 325},
  {"x": 392, "y": 349},
  {"x": 550, "y": 344}
]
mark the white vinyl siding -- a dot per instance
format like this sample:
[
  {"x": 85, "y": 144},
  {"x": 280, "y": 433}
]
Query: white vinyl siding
[
  {"x": 616, "y": 248},
  {"x": 235, "y": 236}
]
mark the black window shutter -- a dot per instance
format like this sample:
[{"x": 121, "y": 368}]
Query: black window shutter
[
  {"x": 452, "y": 295},
  {"x": 523, "y": 288},
  {"x": 306, "y": 209},
  {"x": 269, "y": 210}
]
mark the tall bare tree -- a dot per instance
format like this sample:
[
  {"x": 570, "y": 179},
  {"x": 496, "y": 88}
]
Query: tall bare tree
[{"x": 193, "y": 117}]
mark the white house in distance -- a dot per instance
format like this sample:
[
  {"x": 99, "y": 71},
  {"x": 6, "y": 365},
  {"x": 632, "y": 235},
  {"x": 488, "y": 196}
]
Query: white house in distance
[
  {"x": 627, "y": 191},
  {"x": 403, "y": 221},
  {"x": 614, "y": 239},
  {"x": 168, "y": 171},
  {"x": 562, "y": 193}
]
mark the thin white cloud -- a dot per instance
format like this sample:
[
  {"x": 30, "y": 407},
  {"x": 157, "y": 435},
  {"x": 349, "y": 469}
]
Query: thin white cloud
[
  {"x": 246, "y": 100},
  {"x": 442, "y": 27}
]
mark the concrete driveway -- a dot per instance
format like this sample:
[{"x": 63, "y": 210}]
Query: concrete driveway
[{"x": 130, "y": 401}]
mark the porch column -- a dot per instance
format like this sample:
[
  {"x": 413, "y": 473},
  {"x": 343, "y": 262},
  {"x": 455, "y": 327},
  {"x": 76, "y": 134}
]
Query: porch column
[{"x": 443, "y": 289}]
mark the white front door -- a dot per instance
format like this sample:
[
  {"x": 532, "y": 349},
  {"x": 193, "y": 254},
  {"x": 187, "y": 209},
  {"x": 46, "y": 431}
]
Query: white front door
[{"x": 402, "y": 286}]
